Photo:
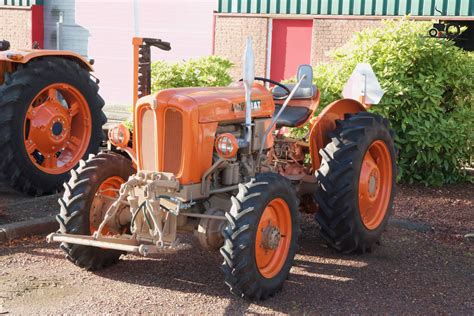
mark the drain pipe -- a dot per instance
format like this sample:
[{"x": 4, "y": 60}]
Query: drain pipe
[
  {"x": 59, "y": 26},
  {"x": 136, "y": 16}
]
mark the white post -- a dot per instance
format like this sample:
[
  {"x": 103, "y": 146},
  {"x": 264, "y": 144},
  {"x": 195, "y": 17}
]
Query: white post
[{"x": 136, "y": 18}]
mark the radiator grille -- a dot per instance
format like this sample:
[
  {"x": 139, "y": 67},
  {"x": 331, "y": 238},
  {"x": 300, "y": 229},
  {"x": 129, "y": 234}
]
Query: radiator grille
[
  {"x": 148, "y": 146},
  {"x": 173, "y": 141}
]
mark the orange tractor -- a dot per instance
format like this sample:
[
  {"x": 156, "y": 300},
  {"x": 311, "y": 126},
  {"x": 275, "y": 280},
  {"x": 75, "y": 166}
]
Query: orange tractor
[
  {"x": 217, "y": 161},
  {"x": 50, "y": 117}
]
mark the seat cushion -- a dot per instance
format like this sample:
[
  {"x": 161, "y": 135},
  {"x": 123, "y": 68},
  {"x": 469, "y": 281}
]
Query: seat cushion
[
  {"x": 293, "y": 116},
  {"x": 301, "y": 93}
]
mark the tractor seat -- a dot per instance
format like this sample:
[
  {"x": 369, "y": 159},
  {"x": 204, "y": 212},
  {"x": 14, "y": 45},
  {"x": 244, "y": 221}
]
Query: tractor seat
[
  {"x": 293, "y": 116},
  {"x": 306, "y": 90},
  {"x": 302, "y": 93}
]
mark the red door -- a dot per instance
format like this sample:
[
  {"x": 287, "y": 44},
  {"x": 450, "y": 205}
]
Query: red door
[{"x": 291, "y": 47}]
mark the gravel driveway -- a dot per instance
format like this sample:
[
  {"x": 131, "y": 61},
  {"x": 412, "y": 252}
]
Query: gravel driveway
[{"x": 410, "y": 272}]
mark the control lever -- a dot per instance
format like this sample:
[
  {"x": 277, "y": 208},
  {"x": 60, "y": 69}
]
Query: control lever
[{"x": 157, "y": 43}]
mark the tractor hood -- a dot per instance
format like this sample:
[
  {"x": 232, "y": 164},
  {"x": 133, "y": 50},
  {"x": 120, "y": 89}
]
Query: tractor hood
[{"x": 218, "y": 104}]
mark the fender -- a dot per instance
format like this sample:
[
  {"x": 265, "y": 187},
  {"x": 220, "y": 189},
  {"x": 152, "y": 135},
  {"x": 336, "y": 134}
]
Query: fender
[
  {"x": 326, "y": 122},
  {"x": 25, "y": 56}
]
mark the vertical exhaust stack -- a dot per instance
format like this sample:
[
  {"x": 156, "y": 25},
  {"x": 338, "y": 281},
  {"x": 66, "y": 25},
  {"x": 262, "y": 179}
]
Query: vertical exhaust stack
[{"x": 248, "y": 79}]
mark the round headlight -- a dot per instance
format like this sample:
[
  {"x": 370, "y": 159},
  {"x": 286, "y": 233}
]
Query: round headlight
[
  {"x": 227, "y": 145},
  {"x": 119, "y": 136}
]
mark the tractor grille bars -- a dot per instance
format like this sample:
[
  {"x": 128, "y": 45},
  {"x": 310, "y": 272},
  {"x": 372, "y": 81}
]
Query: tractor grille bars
[
  {"x": 166, "y": 156},
  {"x": 173, "y": 141}
]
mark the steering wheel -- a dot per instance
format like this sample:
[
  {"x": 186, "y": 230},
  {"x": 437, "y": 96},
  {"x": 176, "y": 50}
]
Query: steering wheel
[{"x": 275, "y": 83}]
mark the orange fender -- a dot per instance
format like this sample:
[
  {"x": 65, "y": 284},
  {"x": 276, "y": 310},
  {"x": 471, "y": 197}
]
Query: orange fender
[
  {"x": 326, "y": 122},
  {"x": 25, "y": 56}
]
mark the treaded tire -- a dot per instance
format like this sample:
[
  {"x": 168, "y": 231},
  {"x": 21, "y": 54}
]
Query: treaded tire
[
  {"x": 16, "y": 95},
  {"x": 76, "y": 203},
  {"x": 240, "y": 267},
  {"x": 338, "y": 177}
]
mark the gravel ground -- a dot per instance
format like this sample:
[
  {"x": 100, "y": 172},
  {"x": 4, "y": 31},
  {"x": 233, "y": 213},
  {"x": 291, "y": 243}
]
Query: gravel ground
[
  {"x": 448, "y": 211},
  {"x": 410, "y": 272},
  {"x": 16, "y": 207}
]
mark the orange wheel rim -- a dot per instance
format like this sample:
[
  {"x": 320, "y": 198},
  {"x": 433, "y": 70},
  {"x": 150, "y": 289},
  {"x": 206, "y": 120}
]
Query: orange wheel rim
[
  {"x": 273, "y": 238},
  {"x": 375, "y": 184},
  {"x": 57, "y": 128},
  {"x": 103, "y": 198}
]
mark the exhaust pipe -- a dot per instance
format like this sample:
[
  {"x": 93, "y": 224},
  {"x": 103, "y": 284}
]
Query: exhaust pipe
[{"x": 248, "y": 79}]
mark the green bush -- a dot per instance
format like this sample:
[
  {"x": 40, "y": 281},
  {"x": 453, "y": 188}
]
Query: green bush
[
  {"x": 429, "y": 96},
  {"x": 209, "y": 71}
]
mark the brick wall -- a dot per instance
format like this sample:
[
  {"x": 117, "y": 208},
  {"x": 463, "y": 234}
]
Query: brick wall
[
  {"x": 230, "y": 38},
  {"x": 329, "y": 34},
  {"x": 16, "y": 26}
]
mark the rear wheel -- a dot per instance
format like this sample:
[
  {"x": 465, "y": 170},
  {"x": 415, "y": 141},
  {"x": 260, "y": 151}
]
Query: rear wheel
[
  {"x": 87, "y": 197},
  {"x": 356, "y": 182},
  {"x": 433, "y": 32},
  {"x": 50, "y": 118},
  {"x": 261, "y": 237}
]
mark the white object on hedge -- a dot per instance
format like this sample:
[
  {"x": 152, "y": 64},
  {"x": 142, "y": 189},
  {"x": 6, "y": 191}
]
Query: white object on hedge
[{"x": 363, "y": 83}]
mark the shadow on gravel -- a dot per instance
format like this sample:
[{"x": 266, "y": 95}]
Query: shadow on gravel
[
  {"x": 195, "y": 270},
  {"x": 31, "y": 247}
]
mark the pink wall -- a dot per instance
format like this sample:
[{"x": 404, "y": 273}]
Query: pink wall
[{"x": 187, "y": 24}]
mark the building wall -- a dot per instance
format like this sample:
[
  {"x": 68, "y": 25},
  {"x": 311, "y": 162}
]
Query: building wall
[
  {"x": 16, "y": 26},
  {"x": 103, "y": 31},
  {"x": 230, "y": 38},
  {"x": 329, "y": 34}
]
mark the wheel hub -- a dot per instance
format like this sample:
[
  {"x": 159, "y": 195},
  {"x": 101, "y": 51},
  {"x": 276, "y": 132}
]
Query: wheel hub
[
  {"x": 49, "y": 127},
  {"x": 373, "y": 184},
  {"x": 57, "y": 128},
  {"x": 271, "y": 237}
]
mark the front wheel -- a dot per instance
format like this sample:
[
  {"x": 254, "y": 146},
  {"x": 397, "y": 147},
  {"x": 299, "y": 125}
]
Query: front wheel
[
  {"x": 356, "y": 182},
  {"x": 261, "y": 237},
  {"x": 87, "y": 197}
]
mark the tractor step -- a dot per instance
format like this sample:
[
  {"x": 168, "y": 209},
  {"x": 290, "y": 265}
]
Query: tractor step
[{"x": 116, "y": 243}]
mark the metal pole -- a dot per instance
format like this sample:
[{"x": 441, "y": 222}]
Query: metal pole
[
  {"x": 136, "y": 18},
  {"x": 59, "y": 25}
]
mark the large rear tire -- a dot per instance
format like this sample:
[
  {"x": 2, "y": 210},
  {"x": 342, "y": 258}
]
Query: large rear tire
[
  {"x": 50, "y": 118},
  {"x": 82, "y": 208},
  {"x": 356, "y": 182},
  {"x": 261, "y": 237}
]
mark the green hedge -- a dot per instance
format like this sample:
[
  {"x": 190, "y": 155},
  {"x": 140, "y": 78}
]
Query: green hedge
[
  {"x": 209, "y": 71},
  {"x": 429, "y": 96}
]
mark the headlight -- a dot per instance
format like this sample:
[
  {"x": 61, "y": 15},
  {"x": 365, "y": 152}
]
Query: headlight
[
  {"x": 227, "y": 145},
  {"x": 119, "y": 136}
]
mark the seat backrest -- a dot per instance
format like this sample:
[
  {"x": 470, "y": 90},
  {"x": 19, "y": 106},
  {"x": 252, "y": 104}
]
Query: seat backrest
[
  {"x": 308, "y": 71},
  {"x": 306, "y": 90}
]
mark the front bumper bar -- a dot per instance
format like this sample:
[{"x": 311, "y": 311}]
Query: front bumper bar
[{"x": 121, "y": 244}]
